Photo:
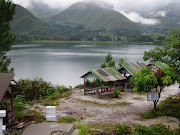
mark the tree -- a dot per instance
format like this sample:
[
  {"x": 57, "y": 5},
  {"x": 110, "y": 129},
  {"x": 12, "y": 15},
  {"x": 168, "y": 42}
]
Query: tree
[
  {"x": 146, "y": 80},
  {"x": 7, "y": 10},
  {"x": 108, "y": 61},
  {"x": 169, "y": 54}
]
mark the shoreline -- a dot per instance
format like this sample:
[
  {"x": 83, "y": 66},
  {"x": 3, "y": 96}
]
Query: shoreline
[{"x": 87, "y": 42}]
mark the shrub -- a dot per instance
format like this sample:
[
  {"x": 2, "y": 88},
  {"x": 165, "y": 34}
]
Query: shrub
[
  {"x": 117, "y": 93},
  {"x": 122, "y": 130},
  {"x": 39, "y": 117},
  {"x": 169, "y": 107},
  {"x": 34, "y": 89},
  {"x": 80, "y": 86},
  {"x": 155, "y": 129}
]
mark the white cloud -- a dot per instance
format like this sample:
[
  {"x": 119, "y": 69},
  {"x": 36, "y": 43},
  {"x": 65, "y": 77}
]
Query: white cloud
[
  {"x": 131, "y": 7},
  {"x": 136, "y": 17},
  {"x": 123, "y": 4},
  {"x": 160, "y": 13}
]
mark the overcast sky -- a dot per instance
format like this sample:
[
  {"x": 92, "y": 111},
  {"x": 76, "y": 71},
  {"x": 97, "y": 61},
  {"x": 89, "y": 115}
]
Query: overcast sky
[{"x": 129, "y": 8}]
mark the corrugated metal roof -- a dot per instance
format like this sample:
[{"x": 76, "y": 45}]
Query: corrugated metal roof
[
  {"x": 160, "y": 64},
  {"x": 5, "y": 80},
  {"x": 106, "y": 74},
  {"x": 133, "y": 67}
]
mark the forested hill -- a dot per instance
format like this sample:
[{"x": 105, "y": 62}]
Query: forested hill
[
  {"x": 24, "y": 21},
  {"x": 96, "y": 17}
]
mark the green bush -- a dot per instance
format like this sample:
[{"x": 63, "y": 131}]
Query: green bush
[
  {"x": 122, "y": 130},
  {"x": 155, "y": 129},
  {"x": 80, "y": 86},
  {"x": 95, "y": 83},
  {"x": 117, "y": 93},
  {"x": 168, "y": 107},
  {"x": 34, "y": 89}
]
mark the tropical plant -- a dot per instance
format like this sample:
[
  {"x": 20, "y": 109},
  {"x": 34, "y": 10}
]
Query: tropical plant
[
  {"x": 117, "y": 93},
  {"x": 169, "y": 54},
  {"x": 108, "y": 61},
  {"x": 7, "y": 10}
]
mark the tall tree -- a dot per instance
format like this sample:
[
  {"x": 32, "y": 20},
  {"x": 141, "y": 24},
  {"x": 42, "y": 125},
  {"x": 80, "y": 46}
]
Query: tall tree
[
  {"x": 7, "y": 10},
  {"x": 169, "y": 54},
  {"x": 109, "y": 62}
]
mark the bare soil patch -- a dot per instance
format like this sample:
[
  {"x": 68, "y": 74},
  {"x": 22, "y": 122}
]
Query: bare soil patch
[{"x": 124, "y": 110}]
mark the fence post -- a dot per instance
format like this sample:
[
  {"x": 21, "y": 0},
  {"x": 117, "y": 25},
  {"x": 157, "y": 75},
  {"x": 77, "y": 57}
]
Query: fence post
[{"x": 2, "y": 127}]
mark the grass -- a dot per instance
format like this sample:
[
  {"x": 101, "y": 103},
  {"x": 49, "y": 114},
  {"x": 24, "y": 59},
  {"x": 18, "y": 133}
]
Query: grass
[
  {"x": 100, "y": 104},
  {"x": 88, "y": 115},
  {"x": 67, "y": 120},
  {"x": 138, "y": 98},
  {"x": 39, "y": 117},
  {"x": 109, "y": 128},
  {"x": 168, "y": 107}
]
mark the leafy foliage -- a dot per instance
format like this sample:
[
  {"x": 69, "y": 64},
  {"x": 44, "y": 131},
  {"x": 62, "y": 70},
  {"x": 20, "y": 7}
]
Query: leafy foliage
[
  {"x": 34, "y": 89},
  {"x": 95, "y": 83},
  {"x": 122, "y": 130},
  {"x": 117, "y": 93},
  {"x": 168, "y": 107},
  {"x": 155, "y": 129},
  {"x": 144, "y": 80},
  {"x": 108, "y": 61},
  {"x": 169, "y": 54},
  {"x": 7, "y": 10},
  {"x": 38, "y": 89}
]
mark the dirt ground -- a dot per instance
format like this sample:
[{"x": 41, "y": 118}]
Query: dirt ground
[{"x": 124, "y": 110}]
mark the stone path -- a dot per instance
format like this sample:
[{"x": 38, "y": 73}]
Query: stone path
[{"x": 46, "y": 128}]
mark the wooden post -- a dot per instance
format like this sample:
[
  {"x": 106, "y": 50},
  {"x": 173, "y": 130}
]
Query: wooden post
[
  {"x": 115, "y": 84},
  {"x": 101, "y": 89},
  {"x": 119, "y": 86},
  {"x": 6, "y": 105},
  {"x": 84, "y": 85},
  {"x": 12, "y": 102},
  {"x": 94, "y": 83}
]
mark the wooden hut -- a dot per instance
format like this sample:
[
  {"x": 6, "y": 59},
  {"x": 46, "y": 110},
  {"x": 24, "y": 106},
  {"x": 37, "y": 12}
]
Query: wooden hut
[
  {"x": 104, "y": 75},
  {"x": 7, "y": 87},
  {"x": 157, "y": 66},
  {"x": 130, "y": 69}
]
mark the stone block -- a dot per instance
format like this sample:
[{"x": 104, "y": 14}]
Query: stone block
[
  {"x": 2, "y": 113},
  {"x": 50, "y": 113}
]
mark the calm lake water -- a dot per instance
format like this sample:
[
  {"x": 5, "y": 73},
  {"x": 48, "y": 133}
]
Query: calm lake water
[{"x": 66, "y": 63}]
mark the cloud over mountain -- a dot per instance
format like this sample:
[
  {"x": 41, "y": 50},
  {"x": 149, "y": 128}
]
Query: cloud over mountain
[{"x": 134, "y": 10}]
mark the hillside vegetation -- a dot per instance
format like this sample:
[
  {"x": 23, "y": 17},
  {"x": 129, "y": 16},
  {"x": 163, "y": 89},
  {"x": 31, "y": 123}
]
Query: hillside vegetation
[{"x": 24, "y": 21}]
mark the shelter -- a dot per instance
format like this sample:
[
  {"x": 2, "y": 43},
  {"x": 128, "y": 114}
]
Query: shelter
[
  {"x": 104, "y": 75},
  {"x": 6, "y": 90},
  {"x": 130, "y": 69},
  {"x": 157, "y": 66}
]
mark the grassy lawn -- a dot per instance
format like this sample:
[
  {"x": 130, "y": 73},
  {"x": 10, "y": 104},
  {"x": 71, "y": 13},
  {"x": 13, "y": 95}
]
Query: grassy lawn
[{"x": 168, "y": 107}]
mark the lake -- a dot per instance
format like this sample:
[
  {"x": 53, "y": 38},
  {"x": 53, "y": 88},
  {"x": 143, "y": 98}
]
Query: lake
[{"x": 64, "y": 64}]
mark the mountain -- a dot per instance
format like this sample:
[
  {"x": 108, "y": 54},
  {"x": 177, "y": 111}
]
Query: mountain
[
  {"x": 24, "y": 21},
  {"x": 168, "y": 16},
  {"x": 94, "y": 16},
  {"x": 42, "y": 10}
]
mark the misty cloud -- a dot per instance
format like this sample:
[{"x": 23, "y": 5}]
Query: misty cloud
[
  {"x": 136, "y": 17},
  {"x": 160, "y": 13},
  {"x": 130, "y": 8}
]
